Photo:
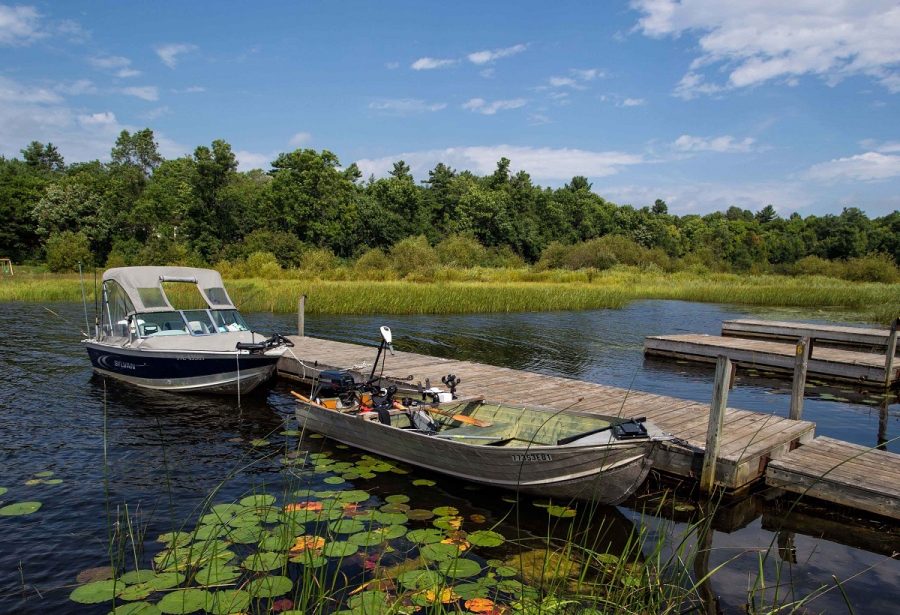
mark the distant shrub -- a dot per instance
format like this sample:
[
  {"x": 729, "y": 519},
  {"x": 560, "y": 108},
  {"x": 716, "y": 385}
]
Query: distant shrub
[
  {"x": 461, "y": 251},
  {"x": 262, "y": 265},
  {"x": 594, "y": 254},
  {"x": 124, "y": 253},
  {"x": 318, "y": 260},
  {"x": 286, "y": 247},
  {"x": 66, "y": 249},
  {"x": 414, "y": 254},
  {"x": 374, "y": 264},
  {"x": 552, "y": 257},
  {"x": 504, "y": 258},
  {"x": 815, "y": 265},
  {"x": 602, "y": 253},
  {"x": 871, "y": 268}
]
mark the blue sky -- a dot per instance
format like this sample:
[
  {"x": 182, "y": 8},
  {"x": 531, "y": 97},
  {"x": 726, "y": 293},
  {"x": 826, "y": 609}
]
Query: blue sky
[{"x": 703, "y": 103}]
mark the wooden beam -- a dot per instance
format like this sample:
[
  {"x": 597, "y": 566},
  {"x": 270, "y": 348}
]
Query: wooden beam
[
  {"x": 716, "y": 421},
  {"x": 804, "y": 348},
  {"x": 891, "y": 352},
  {"x": 301, "y": 315}
]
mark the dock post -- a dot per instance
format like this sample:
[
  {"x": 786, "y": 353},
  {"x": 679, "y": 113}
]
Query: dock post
[
  {"x": 716, "y": 422},
  {"x": 301, "y": 314},
  {"x": 891, "y": 352},
  {"x": 801, "y": 363}
]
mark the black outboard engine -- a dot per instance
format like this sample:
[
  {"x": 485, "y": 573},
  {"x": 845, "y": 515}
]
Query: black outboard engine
[{"x": 335, "y": 383}]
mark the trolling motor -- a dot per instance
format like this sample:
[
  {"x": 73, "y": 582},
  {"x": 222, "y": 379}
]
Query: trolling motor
[{"x": 386, "y": 339}]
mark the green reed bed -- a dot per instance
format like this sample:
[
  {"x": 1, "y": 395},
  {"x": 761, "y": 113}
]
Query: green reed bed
[{"x": 505, "y": 290}]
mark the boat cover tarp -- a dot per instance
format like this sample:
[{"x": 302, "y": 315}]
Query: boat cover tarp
[{"x": 131, "y": 279}]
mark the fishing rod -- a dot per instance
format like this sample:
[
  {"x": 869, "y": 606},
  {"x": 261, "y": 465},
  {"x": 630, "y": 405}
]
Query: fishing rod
[{"x": 66, "y": 320}]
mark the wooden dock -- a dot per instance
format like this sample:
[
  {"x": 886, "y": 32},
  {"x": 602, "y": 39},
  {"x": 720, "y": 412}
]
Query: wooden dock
[
  {"x": 826, "y": 363},
  {"x": 830, "y": 335},
  {"x": 847, "y": 474},
  {"x": 749, "y": 440}
]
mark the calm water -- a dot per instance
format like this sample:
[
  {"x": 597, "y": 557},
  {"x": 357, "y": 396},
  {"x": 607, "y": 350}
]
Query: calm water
[{"x": 163, "y": 452}]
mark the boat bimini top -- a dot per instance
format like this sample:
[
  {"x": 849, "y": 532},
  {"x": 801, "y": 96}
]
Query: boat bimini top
[{"x": 143, "y": 286}]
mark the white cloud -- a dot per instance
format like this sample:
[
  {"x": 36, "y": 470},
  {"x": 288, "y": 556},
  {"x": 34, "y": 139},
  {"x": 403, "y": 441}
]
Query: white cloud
[
  {"x": 487, "y": 73},
  {"x": 575, "y": 79},
  {"x": 480, "y": 105},
  {"x": 756, "y": 41},
  {"x": 144, "y": 92},
  {"x": 726, "y": 144},
  {"x": 705, "y": 197},
  {"x": 432, "y": 63},
  {"x": 490, "y": 55},
  {"x": 541, "y": 162},
  {"x": 105, "y": 118},
  {"x": 15, "y": 92},
  {"x": 247, "y": 161},
  {"x": 118, "y": 65},
  {"x": 19, "y": 25},
  {"x": 869, "y": 166},
  {"x": 586, "y": 74},
  {"x": 194, "y": 89},
  {"x": 299, "y": 139},
  {"x": 632, "y": 102},
  {"x": 77, "y": 88},
  {"x": 156, "y": 113},
  {"x": 392, "y": 65},
  {"x": 169, "y": 53},
  {"x": 405, "y": 106},
  {"x": 538, "y": 119},
  {"x": 560, "y": 82}
]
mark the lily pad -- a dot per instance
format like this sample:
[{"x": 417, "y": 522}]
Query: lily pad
[
  {"x": 217, "y": 573},
  {"x": 291, "y": 432},
  {"x": 100, "y": 573},
  {"x": 423, "y": 482},
  {"x": 448, "y": 523},
  {"x": 353, "y": 495},
  {"x": 561, "y": 511},
  {"x": 175, "y": 538},
  {"x": 486, "y": 538},
  {"x": 262, "y": 499},
  {"x": 309, "y": 559},
  {"x": 425, "y": 536},
  {"x": 460, "y": 567},
  {"x": 136, "y": 608},
  {"x": 3, "y": 490},
  {"x": 166, "y": 580},
  {"x": 334, "y": 480},
  {"x": 269, "y": 587},
  {"x": 138, "y": 591},
  {"x": 479, "y": 588},
  {"x": 246, "y": 535},
  {"x": 397, "y": 498},
  {"x": 347, "y": 526},
  {"x": 184, "y": 601},
  {"x": 259, "y": 442},
  {"x": 339, "y": 548},
  {"x": 96, "y": 592},
  {"x": 20, "y": 508},
  {"x": 367, "y": 539},
  {"x": 264, "y": 561},
  {"x": 421, "y": 579},
  {"x": 370, "y": 602},
  {"x": 446, "y": 511},
  {"x": 44, "y": 474},
  {"x": 439, "y": 551},
  {"x": 419, "y": 514},
  {"x": 137, "y": 576},
  {"x": 228, "y": 601},
  {"x": 390, "y": 518}
]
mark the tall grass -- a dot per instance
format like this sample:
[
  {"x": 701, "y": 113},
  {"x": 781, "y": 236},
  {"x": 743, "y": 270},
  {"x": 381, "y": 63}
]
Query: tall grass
[{"x": 514, "y": 290}]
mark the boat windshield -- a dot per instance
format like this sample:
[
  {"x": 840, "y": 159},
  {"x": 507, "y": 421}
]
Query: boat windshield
[
  {"x": 229, "y": 320},
  {"x": 198, "y": 322},
  {"x": 161, "y": 323}
]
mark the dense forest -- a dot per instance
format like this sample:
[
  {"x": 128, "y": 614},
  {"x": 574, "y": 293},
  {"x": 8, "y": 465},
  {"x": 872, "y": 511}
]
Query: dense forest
[{"x": 140, "y": 209}]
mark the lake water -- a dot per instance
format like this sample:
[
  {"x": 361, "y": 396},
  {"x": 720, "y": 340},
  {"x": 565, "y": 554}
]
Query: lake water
[{"x": 160, "y": 454}]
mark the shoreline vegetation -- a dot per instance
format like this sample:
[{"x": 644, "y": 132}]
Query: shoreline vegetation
[{"x": 344, "y": 290}]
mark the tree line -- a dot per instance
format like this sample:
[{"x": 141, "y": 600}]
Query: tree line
[{"x": 140, "y": 208}]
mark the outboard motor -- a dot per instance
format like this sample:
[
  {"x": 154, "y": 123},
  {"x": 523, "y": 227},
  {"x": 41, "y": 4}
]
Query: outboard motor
[{"x": 335, "y": 383}]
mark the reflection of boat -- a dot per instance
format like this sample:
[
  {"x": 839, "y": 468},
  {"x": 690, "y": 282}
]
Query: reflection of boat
[
  {"x": 141, "y": 339},
  {"x": 530, "y": 449}
]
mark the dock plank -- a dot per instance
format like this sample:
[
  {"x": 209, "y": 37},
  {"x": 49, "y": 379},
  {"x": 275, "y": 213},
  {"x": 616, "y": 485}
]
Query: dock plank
[{"x": 866, "y": 337}]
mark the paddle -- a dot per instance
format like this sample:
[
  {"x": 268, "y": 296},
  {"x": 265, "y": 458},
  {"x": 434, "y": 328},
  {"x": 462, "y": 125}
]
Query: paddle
[
  {"x": 462, "y": 418},
  {"x": 307, "y": 400}
]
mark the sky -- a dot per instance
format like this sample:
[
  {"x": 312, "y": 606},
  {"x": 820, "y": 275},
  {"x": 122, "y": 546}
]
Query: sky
[{"x": 702, "y": 103}]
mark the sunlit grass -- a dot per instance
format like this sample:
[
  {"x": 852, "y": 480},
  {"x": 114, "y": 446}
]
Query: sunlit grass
[{"x": 512, "y": 290}]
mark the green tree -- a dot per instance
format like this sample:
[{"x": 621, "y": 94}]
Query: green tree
[
  {"x": 43, "y": 157},
  {"x": 139, "y": 150}
]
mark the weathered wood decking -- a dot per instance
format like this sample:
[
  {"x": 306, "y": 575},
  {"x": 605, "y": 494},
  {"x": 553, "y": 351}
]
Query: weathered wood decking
[
  {"x": 827, "y": 363},
  {"x": 847, "y": 474},
  {"x": 749, "y": 441},
  {"x": 865, "y": 337}
]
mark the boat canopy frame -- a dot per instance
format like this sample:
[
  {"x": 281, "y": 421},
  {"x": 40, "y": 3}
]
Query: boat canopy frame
[{"x": 143, "y": 286}]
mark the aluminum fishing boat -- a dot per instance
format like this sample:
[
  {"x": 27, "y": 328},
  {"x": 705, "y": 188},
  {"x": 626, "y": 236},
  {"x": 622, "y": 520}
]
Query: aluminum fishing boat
[
  {"x": 535, "y": 450},
  {"x": 140, "y": 338}
]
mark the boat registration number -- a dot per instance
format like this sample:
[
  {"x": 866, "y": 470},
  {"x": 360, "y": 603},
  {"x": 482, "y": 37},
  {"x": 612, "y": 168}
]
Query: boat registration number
[{"x": 533, "y": 457}]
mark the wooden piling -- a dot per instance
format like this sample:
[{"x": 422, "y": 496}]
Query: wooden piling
[
  {"x": 301, "y": 315},
  {"x": 716, "y": 421},
  {"x": 798, "y": 385},
  {"x": 891, "y": 352}
]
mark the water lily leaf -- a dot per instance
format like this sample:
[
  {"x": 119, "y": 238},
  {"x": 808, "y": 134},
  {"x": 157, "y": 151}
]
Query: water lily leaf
[
  {"x": 424, "y": 482},
  {"x": 419, "y": 514},
  {"x": 136, "y": 608},
  {"x": 258, "y": 500},
  {"x": 44, "y": 474},
  {"x": 269, "y": 587},
  {"x": 347, "y": 526},
  {"x": 334, "y": 480},
  {"x": 309, "y": 559},
  {"x": 339, "y": 548},
  {"x": 448, "y": 523},
  {"x": 390, "y": 532},
  {"x": 479, "y": 588},
  {"x": 279, "y": 539},
  {"x": 227, "y": 510},
  {"x": 315, "y": 436},
  {"x": 367, "y": 539},
  {"x": 184, "y": 601},
  {"x": 217, "y": 573},
  {"x": 207, "y": 532},
  {"x": 367, "y": 475},
  {"x": 425, "y": 536},
  {"x": 228, "y": 601},
  {"x": 446, "y": 511},
  {"x": 246, "y": 535},
  {"x": 353, "y": 495},
  {"x": 394, "y": 508},
  {"x": 96, "y": 592},
  {"x": 3, "y": 490},
  {"x": 165, "y": 580},
  {"x": 397, "y": 498},
  {"x": 100, "y": 573},
  {"x": 31, "y": 482},
  {"x": 139, "y": 591},
  {"x": 390, "y": 518},
  {"x": 291, "y": 432},
  {"x": 477, "y": 518},
  {"x": 481, "y": 605},
  {"x": 460, "y": 567},
  {"x": 561, "y": 511},
  {"x": 307, "y": 543},
  {"x": 264, "y": 561},
  {"x": 369, "y": 602},
  {"x": 259, "y": 442},
  {"x": 20, "y": 508},
  {"x": 439, "y": 551},
  {"x": 175, "y": 538},
  {"x": 505, "y": 571},
  {"x": 486, "y": 538},
  {"x": 137, "y": 576},
  {"x": 420, "y": 579}
]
